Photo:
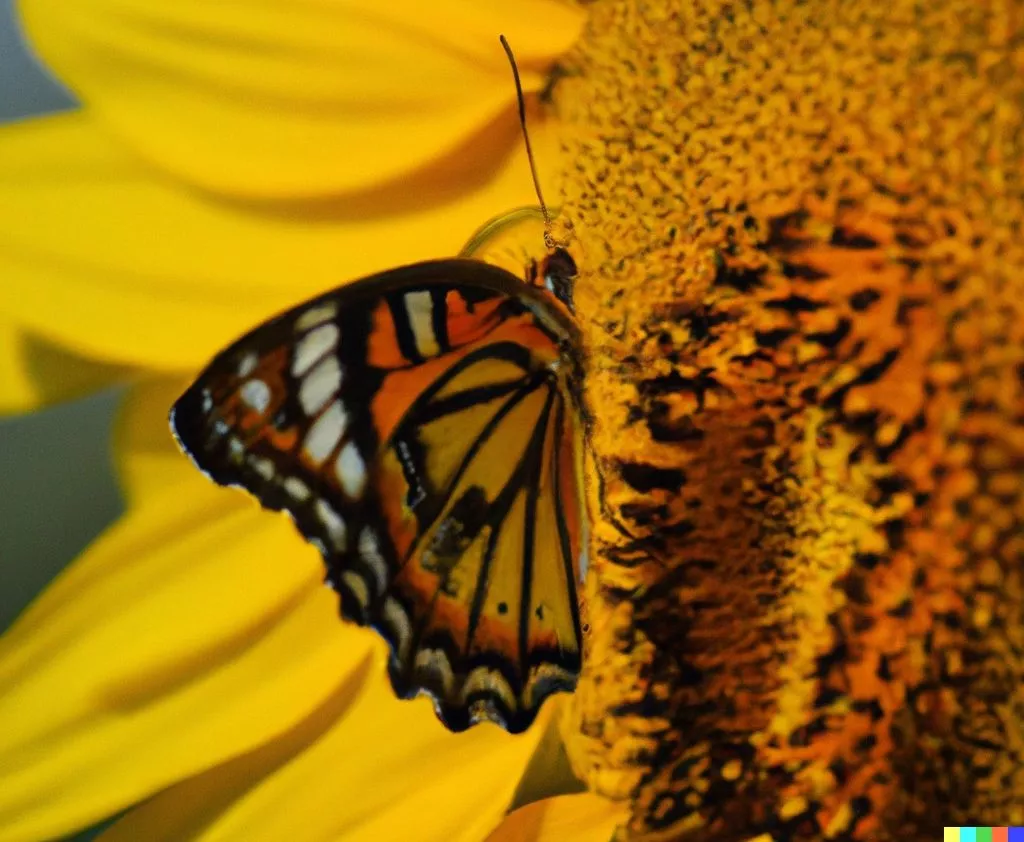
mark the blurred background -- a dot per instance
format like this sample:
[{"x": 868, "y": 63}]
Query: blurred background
[{"x": 57, "y": 490}]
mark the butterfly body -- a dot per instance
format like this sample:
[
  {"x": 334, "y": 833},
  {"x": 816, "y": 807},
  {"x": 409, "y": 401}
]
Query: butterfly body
[{"x": 422, "y": 428}]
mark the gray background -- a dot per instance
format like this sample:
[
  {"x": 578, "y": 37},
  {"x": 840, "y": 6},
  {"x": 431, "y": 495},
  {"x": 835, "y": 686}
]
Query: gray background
[{"x": 57, "y": 491}]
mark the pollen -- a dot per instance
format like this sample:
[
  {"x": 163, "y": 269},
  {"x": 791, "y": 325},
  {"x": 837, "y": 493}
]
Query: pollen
[{"x": 803, "y": 300}]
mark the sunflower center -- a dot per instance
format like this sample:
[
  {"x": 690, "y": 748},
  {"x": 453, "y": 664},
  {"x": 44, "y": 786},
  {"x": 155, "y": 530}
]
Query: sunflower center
[{"x": 802, "y": 298}]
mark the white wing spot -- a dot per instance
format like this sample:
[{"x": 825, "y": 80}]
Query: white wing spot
[
  {"x": 333, "y": 523},
  {"x": 313, "y": 346},
  {"x": 316, "y": 315},
  {"x": 320, "y": 385},
  {"x": 487, "y": 680},
  {"x": 398, "y": 622},
  {"x": 256, "y": 394},
  {"x": 433, "y": 668},
  {"x": 247, "y": 364},
  {"x": 543, "y": 679},
  {"x": 420, "y": 308},
  {"x": 369, "y": 551},
  {"x": 297, "y": 488},
  {"x": 357, "y": 585},
  {"x": 351, "y": 471},
  {"x": 326, "y": 432},
  {"x": 263, "y": 467}
]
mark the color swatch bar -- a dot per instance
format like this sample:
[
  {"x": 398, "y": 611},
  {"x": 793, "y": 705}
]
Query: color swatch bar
[{"x": 983, "y": 834}]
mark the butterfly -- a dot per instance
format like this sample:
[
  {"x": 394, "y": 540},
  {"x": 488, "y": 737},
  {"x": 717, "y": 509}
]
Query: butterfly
[{"x": 423, "y": 428}]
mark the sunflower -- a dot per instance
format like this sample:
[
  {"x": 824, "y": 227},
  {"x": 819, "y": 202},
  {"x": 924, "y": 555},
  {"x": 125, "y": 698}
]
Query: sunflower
[{"x": 803, "y": 315}]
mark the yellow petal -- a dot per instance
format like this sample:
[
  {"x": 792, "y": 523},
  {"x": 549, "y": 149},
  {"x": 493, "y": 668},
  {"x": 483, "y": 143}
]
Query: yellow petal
[
  {"x": 386, "y": 770},
  {"x": 567, "y": 818},
  {"x": 193, "y": 631},
  {"x": 35, "y": 373},
  {"x": 146, "y": 456},
  {"x": 297, "y": 99},
  {"x": 137, "y": 270}
]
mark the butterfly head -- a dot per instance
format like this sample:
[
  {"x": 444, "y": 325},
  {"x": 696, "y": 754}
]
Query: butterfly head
[{"x": 557, "y": 274}]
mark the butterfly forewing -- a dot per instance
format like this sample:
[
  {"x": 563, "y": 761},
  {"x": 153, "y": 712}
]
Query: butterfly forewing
[{"x": 420, "y": 429}]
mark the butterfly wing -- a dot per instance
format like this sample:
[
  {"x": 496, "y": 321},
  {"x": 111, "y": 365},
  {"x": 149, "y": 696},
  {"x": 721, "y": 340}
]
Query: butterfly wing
[{"x": 418, "y": 426}]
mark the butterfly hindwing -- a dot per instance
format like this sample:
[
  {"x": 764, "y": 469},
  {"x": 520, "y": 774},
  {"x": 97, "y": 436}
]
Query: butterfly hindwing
[
  {"x": 490, "y": 587},
  {"x": 419, "y": 429}
]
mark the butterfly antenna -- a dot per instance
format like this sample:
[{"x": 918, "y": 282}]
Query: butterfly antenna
[{"x": 549, "y": 240}]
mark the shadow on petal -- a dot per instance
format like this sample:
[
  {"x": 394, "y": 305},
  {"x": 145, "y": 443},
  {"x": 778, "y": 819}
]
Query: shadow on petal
[
  {"x": 549, "y": 772},
  {"x": 184, "y": 810},
  {"x": 35, "y": 373},
  {"x": 568, "y": 818},
  {"x": 386, "y": 770}
]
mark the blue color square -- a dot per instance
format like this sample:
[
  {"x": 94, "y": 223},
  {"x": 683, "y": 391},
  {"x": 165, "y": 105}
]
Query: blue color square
[{"x": 1016, "y": 834}]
